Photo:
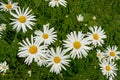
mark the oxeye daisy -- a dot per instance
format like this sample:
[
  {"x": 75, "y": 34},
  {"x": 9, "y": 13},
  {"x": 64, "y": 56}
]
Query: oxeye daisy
[
  {"x": 57, "y": 59},
  {"x": 54, "y": 3},
  {"x": 42, "y": 61},
  {"x": 9, "y": 6},
  {"x": 101, "y": 55},
  {"x": 96, "y": 36},
  {"x": 108, "y": 68},
  {"x": 23, "y": 19},
  {"x": 112, "y": 52},
  {"x": 31, "y": 50},
  {"x": 48, "y": 35},
  {"x": 80, "y": 18},
  {"x": 2, "y": 27},
  {"x": 77, "y": 44},
  {"x": 4, "y": 67}
]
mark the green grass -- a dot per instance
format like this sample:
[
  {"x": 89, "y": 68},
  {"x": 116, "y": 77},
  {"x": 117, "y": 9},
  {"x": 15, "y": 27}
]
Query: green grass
[{"x": 107, "y": 13}]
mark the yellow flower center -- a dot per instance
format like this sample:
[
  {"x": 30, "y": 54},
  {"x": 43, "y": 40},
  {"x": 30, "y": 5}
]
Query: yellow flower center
[
  {"x": 8, "y": 6},
  {"x": 45, "y": 35},
  {"x": 108, "y": 68},
  {"x": 33, "y": 49},
  {"x": 22, "y": 19},
  {"x": 4, "y": 67},
  {"x": 112, "y": 53},
  {"x": 77, "y": 44},
  {"x": 96, "y": 36},
  {"x": 57, "y": 59}
]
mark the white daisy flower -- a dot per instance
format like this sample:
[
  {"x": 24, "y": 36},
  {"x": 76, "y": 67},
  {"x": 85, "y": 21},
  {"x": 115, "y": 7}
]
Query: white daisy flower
[
  {"x": 100, "y": 55},
  {"x": 23, "y": 19},
  {"x": 9, "y": 6},
  {"x": 77, "y": 44},
  {"x": 112, "y": 52},
  {"x": 48, "y": 35},
  {"x": 97, "y": 36},
  {"x": 54, "y": 3},
  {"x": 4, "y": 67},
  {"x": 80, "y": 18},
  {"x": 57, "y": 59},
  {"x": 42, "y": 61},
  {"x": 108, "y": 68},
  {"x": 2, "y": 27},
  {"x": 31, "y": 50}
]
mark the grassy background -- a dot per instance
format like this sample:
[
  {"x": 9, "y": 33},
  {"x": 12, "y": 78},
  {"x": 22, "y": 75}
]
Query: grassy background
[{"x": 107, "y": 13}]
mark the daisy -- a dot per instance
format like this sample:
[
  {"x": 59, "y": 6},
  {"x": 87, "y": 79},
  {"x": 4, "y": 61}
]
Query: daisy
[
  {"x": 54, "y": 3},
  {"x": 100, "y": 55},
  {"x": 9, "y": 6},
  {"x": 57, "y": 59},
  {"x": 112, "y": 52},
  {"x": 97, "y": 36},
  {"x": 77, "y": 44},
  {"x": 80, "y": 18},
  {"x": 48, "y": 35},
  {"x": 42, "y": 61},
  {"x": 23, "y": 19},
  {"x": 108, "y": 68},
  {"x": 31, "y": 50},
  {"x": 4, "y": 67},
  {"x": 2, "y": 27}
]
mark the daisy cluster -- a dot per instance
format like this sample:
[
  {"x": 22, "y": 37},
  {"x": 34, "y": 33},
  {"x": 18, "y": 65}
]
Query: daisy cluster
[
  {"x": 107, "y": 60},
  {"x": 38, "y": 47}
]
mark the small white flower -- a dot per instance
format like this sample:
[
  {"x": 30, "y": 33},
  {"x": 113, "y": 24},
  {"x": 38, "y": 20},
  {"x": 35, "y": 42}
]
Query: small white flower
[
  {"x": 4, "y": 67},
  {"x": 80, "y": 18},
  {"x": 112, "y": 52},
  {"x": 54, "y": 3},
  {"x": 94, "y": 17},
  {"x": 96, "y": 36},
  {"x": 57, "y": 59},
  {"x": 108, "y": 68},
  {"x": 42, "y": 60},
  {"x": 2, "y": 27},
  {"x": 9, "y": 6},
  {"x": 23, "y": 19},
  {"x": 48, "y": 36},
  {"x": 77, "y": 44},
  {"x": 31, "y": 50},
  {"x": 100, "y": 55}
]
